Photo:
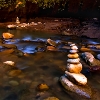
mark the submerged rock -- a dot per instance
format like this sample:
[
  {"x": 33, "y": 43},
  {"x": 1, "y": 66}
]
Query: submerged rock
[
  {"x": 51, "y": 98},
  {"x": 13, "y": 83},
  {"x": 51, "y": 48},
  {"x": 81, "y": 91},
  {"x": 42, "y": 87},
  {"x": 14, "y": 73}
]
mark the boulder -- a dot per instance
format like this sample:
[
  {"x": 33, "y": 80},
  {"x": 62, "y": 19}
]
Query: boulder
[
  {"x": 89, "y": 58},
  {"x": 76, "y": 78},
  {"x": 83, "y": 92}
]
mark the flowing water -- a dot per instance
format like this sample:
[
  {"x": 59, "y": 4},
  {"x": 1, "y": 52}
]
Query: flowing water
[{"x": 39, "y": 67}]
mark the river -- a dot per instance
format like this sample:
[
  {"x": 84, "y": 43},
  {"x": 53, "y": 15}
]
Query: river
[{"x": 39, "y": 66}]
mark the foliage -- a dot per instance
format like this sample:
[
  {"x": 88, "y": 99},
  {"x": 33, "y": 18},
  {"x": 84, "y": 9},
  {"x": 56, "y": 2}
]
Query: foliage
[{"x": 40, "y": 3}]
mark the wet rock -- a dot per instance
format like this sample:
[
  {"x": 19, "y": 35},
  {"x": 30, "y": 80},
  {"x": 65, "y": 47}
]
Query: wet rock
[
  {"x": 51, "y": 42},
  {"x": 83, "y": 49},
  {"x": 51, "y": 98},
  {"x": 9, "y": 46},
  {"x": 74, "y": 68},
  {"x": 11, "y": 63},
  {"x": 19, "y": 53},
  {"x": 98, "y": 56},
  {"x": 89, "y": 58},
  {"x": 34, "y": 84},
  {"x": 51, "y": 48},
  {"x": 13, "y": 83},
  {"x": 75, "y": 55},
  {"x": 73, "y": 61},
  {"x": 82, "y": 92},
  {"x": 73, "y": 51},
  {"x": 42, "y": 87},
  {"x": 14, "y": 73},
  {"x": 9, "y": 51},
  {"x": 76, "y": 78},
  {"x": 7, "y": 35}
]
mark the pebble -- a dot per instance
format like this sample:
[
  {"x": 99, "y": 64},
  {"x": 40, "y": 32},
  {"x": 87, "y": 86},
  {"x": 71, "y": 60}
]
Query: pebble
[
  {"x": 13, "y": 83},
  {"x": 14, "y": 73}
]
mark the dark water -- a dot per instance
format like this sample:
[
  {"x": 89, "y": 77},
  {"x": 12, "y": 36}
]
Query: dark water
[{"x": 39, "y": 67}]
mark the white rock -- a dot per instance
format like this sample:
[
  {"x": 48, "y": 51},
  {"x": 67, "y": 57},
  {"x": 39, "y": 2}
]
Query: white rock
[
  {"x": 72, "y": 44},
  {"x": 77, "y": 60},
  {"x": 78, "y": 77},
  {"x": 73, "y": 51},
  {"x": 74, "y": 68},
  {"x": 9, "y": 63},
  {"x": 74, "y": 47}
]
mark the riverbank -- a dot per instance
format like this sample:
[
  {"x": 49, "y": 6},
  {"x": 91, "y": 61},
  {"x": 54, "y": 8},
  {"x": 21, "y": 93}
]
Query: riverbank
[{"x": 65, "y": 26}]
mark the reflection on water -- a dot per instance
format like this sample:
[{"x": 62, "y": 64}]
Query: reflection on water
[{"x": 37, "y": 67}]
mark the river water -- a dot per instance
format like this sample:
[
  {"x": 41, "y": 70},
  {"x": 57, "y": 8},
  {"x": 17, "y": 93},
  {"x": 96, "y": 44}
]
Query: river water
[{"x": 39, "y": 67}]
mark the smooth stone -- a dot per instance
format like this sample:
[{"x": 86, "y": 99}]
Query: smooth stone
[
  {"x": 98, "y": 56},
  {"x": 51, "y": 98},
  {"x": 42, "y": 87},
  {"x": 72, "y": 44},
  {"x": 51, "y": 42},
  {"x": 9, "y": 51},
  {"x": 82, "y": 92},
  {"x": 74, "y": 47},
  {"x": 13, "y": 83},
  {"x": 88, "y": 56},
  {"x": 73, "y": 61},
  {"x": 84, "y": 49},
  {"x": 75, "y": 55},
  {"x": 14, "y": 73},
  {"x": 51, "y": 48},
  {"x": 11, "y": 63},
  {"x": 76, "y": 78},
  {"x": 90, "y": 60},
  {"x": 74, "y": 68},
  {"x": 73, "y": 51},
  {"x": 7, "y": 35},
  {"x": 9, "y": 46}
]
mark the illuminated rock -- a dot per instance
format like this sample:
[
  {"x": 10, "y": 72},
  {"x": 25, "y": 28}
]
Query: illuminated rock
[
  {"x": 76, "y": 78},
  {"x": 51, "y": 42},
  {"x": 7, "y": 35},
  {"x": 73, "y": 61},
  {"x": 74, "y": 55},
  {"x": 81, "y": 91},
  {"x": 9, "y": 63},
  {"x": 74, "y": 68}
]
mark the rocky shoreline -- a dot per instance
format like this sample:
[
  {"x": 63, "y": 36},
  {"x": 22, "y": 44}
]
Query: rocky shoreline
[{"x": 65, "y": 26}]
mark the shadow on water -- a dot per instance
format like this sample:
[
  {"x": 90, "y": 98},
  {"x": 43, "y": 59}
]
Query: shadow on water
[{"x": 39, "y": 67}]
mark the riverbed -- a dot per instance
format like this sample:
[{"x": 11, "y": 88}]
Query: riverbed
[{"x": 39, "y": 65}]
